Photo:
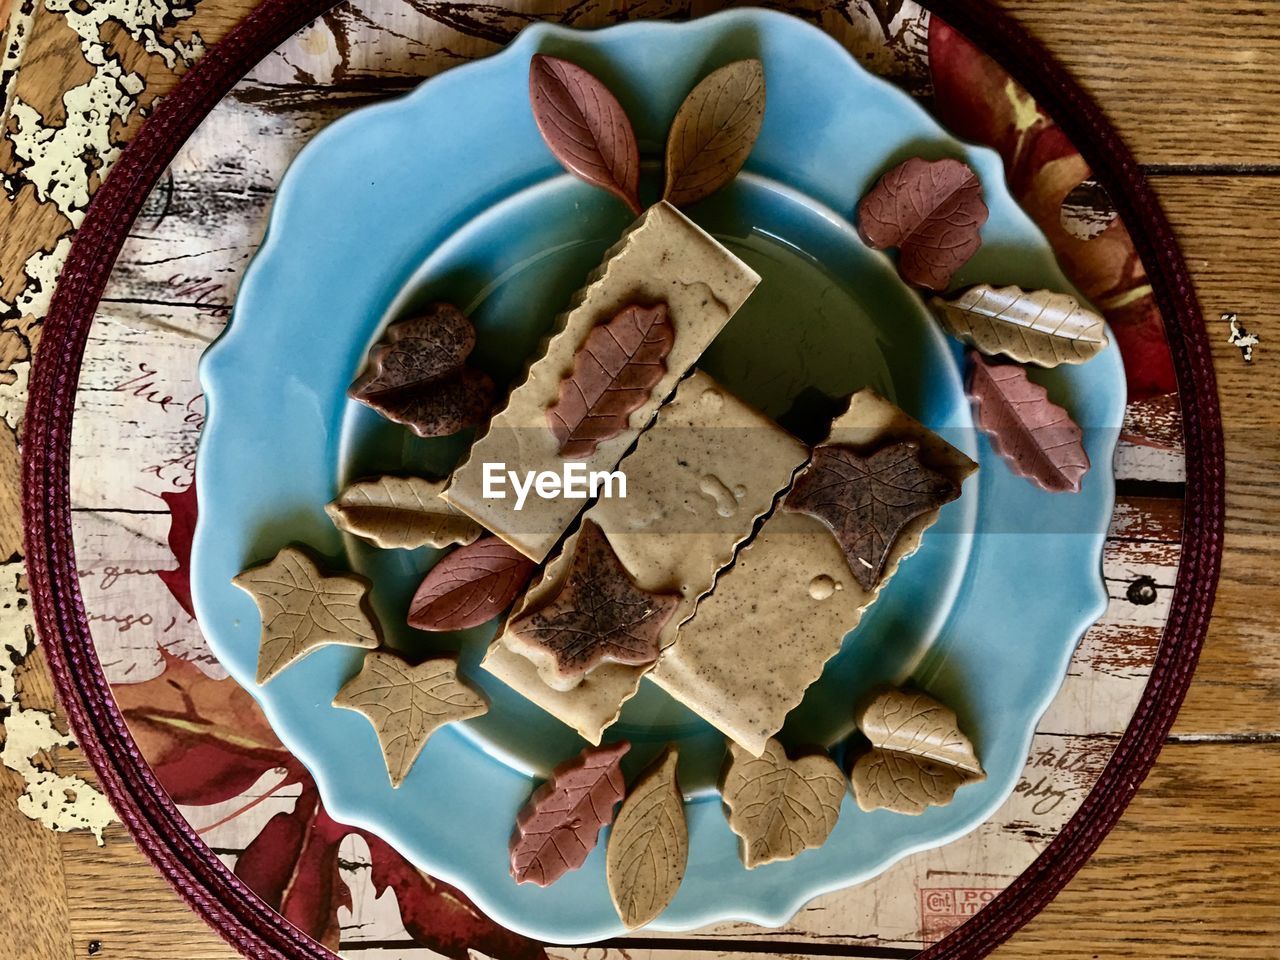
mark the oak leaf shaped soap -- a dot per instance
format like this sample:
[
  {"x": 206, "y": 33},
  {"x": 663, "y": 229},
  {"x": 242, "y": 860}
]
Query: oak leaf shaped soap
[
  {"x": 407, "y": 704},
  {"x": 866, "y": 499},
  {"x": 649, "y": 844},
  {"x": 470, "y": 586},
  {"x": 401, "y": 512},
  {"x": 1036, "y": 437},
  {"x": 919, "y": 757},
  {"x": 1039, "y": 326},
  {"x": 561, "y": 823},
  {"x": 585, "y": 127},
  {"x": 713, "y": 132},
  {"x": 302, "y": 609},
  {"x": 932, "y": 212},
  {"x": 417, "y": 374},
  {"x": 614, "y": 371},
  {"x": 780, "y": 807}
]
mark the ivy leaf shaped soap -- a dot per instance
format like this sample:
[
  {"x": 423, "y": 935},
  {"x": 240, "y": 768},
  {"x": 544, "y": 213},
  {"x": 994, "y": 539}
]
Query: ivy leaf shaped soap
[
  {"x": 649, "y": 844},
  {"x": 406, "y": 705},
  {"x": 303, "y": 609},
  {"x": 1039, "y": 326},
  {"x": 778, "y": 806},
  {"x": 585, "y": 127},
  {"x": 1036, "y": 437},
  {"x": 417, "y": 374},
  {"x": 561, "y": 823},
  {"x": 598, "y": 614},
  {"x": 866, "y": 500},
  {"x": 614, "y": 371},
  {"x": 470, "y": 586},
  {"x": 713, "y": 132},
  {"x": 919, "y": 755},
  {"x": 401, "y": 512},
  {"x": 932, "y": 212}
]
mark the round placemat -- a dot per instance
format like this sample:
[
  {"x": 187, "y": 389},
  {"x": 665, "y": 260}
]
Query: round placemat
[{"x": 145, "y": 806}]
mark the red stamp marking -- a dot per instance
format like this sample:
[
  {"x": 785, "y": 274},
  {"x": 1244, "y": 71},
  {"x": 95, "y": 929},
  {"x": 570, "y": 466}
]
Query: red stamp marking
[{"x": 942, "y": 909}]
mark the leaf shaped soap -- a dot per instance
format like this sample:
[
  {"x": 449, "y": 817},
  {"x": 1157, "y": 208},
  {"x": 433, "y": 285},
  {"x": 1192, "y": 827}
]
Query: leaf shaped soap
[
  {"x": 919, "y": 755},
  {"x": 303, "y": 609},
  {"x": 1039, "y": 327},
  {"x": 561, "y": 823},
  {"x": 932, "y": 212},
  {"x": 406, "y": 705},
  {"x": 585, "y": 127},
  {"x": 470, "y": 586},
  {"x": 598, "y": 614},
  {"x": 614, "y": 372},
  {"x": 866, "y": 500},
  {"x": 649, "y": 844},
  {"x": 713, "y": 132},
  {"x": 416, "y": 374},
  {"x": 1037, "y": 438},
  {"x": 401, "y": 512},
  {"x": 778, "y": 806}
]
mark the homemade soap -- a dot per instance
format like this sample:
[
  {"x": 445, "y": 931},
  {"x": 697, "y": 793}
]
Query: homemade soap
[{"x": 664, "y": 258}]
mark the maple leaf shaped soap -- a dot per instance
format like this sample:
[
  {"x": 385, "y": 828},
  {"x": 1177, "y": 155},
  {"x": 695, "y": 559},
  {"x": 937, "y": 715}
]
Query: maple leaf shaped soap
[
  {"x": 866, "y": 500},
  {"x": 406, "y": 704},
  {"x": 417, "y": 374},
  {"x": 932, "y": 212},
  {"x": 597, "y": 614},
  {"x": 303, "y": 609},
  {"x": 614, "y": 371},
  {"x": 561, "y": 823},
  {"x": 470, "y": 586}
]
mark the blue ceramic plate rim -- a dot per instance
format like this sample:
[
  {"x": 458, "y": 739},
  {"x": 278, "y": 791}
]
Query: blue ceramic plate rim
[{"x": 224, "y": 615}]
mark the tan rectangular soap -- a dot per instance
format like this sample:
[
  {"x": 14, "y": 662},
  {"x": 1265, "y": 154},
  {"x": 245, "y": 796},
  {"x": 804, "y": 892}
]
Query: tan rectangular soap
[
  {"x": 698, "y": 480},
  {"x": 663, "y": 258},
  {"x": 763, "y": 636}
]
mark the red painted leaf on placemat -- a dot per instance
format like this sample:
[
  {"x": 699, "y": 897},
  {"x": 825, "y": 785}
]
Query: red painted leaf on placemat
[
  {"x": 182, "y": 527},
  {"x": 470, "y": 586},
  {"x": 585, "y": 127},
  {"x": 614, "y": 372},
  {"x": 561, "y": 823},
  {"x": 932, "y": 212},
  {"x": 1037, "y": 437}
]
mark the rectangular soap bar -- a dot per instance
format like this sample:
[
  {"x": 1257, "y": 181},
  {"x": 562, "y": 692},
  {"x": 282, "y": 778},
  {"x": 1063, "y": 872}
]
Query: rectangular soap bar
[
  {"x": 664, "y": 257},
  {"x": 698, "y": 480},
  {"x": 763, "y": 636}
]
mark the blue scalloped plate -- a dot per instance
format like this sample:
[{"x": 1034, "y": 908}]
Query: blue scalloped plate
[{"x": 449, "y": 193}]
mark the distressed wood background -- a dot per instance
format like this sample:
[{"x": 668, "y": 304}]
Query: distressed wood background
[{"x": 1190, "y": 870}]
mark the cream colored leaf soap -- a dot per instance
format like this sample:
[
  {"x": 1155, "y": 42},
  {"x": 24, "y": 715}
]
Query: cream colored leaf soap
[
  {"x": 782, "y": 611},
  {"x": 663, "y": 258},
  {"x": 698, "y": 480}
]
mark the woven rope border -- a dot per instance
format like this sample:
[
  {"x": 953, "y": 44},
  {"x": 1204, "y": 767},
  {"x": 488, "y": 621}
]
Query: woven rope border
[{"x": 164, "y": 835}]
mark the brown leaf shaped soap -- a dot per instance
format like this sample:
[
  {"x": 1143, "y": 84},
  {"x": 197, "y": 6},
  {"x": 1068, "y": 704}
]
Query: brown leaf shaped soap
[
  {"x": 561, "y": 823},
  {"x": 470, "y": 586},
  {"x": 401, "y": 512},
  {"x": 1037, "y": 438},
  {"x": 866, "y": 500},
  {"x": 598, "y": 614},
  {"x": 406, "y": 705},
  {"x": 1037, "y": 326},
  {"x": 919, "y": 757},
  {"x": 585, "y": 127},
  {"x": 614, "y": 372},
  {"x": 713, "y": 132},
  {"x": 932, "y": 212},
  {"x": 778, "y": 806},
  {"x": 303, "y": 609},
  {"x": 417, "y": 374},
  {"x": 649, "y": 844}
]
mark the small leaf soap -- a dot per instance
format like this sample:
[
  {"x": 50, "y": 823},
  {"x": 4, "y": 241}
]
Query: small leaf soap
[
  {"x": 778, "y": 806},
  {"x": 649, "y": 844},
  {"x": 472, "y": 585},
  {"x": 401, "y": 512},
  {"x": 303, "y": 609},
  {"x": 713, "y": 132},
  {"x": 1039, "y": 326}
]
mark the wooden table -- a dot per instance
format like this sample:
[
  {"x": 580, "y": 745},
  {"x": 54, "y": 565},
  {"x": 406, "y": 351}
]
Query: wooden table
[{"x": 1190, "y": 872}]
